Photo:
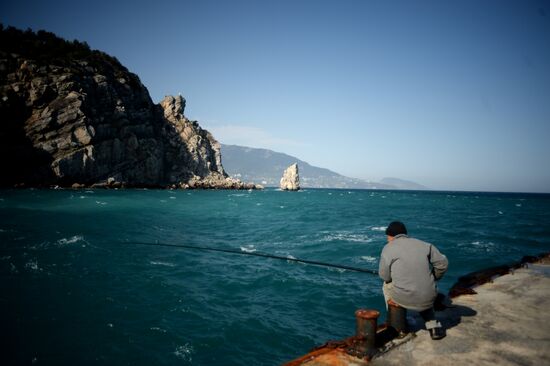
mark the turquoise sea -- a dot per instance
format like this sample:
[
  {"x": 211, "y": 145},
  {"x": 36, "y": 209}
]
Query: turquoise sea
[{"x": 74, "y": 290}]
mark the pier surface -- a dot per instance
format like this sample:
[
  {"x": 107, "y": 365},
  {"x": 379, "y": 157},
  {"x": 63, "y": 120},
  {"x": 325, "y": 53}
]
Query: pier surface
[{"x": 506, "y": 323}]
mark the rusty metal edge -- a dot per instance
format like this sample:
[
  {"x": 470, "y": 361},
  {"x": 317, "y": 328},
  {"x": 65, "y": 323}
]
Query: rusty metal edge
[{"x": 466, "y": 283}]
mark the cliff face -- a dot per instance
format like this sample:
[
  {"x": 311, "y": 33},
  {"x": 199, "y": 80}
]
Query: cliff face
[
  {"x": 73, "y": 115},
  {"x": 193, "y": 150}
]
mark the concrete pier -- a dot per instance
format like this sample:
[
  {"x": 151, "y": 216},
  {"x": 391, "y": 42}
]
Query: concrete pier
[{"x": 506, "y": 323}]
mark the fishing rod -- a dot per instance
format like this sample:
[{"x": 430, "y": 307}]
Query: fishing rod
[{"x": 256, "y": 254}]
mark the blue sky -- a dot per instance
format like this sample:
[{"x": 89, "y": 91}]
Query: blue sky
[{"x": 450, "y": 94}]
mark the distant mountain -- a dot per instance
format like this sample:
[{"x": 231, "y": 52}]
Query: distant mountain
[
  {"x": 403, "y": 184},
  {"x": 266, "y": 167}
]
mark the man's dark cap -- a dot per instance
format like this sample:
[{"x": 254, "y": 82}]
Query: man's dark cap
[{"x": 395, "y": 228}]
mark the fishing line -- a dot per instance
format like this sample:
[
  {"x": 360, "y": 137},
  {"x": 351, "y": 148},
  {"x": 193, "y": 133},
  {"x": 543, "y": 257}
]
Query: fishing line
[{"x": 256, "y": 254}]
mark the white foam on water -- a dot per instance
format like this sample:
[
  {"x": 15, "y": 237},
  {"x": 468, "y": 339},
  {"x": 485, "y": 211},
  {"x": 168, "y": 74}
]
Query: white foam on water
[
  {"x": 71, "y": 240},
  {"x": 369, "y": 259},
  {"x": 258, "y": 204},
  {"x": 518, "y": 204},
  {"x": 89, "y": 192},
  {"x": 291, "y": 257},
  {"x": 101, "y": 203},
  {"x": 378, "y": 228},
  {"x": 172, "y": 197},
  {"x": 33, "y": 266},
  {"x": 282, "y": 206},
  {"x": 184, "y": 352},
  {"x": 110, "y": 325},
  {"x": 82, "y": 197},
  {"x": 237, "y": 195},
  {"x": 163, "y": 201},
  {"x": 500, "y": 213},
  {"x": 330, "y": 194},
  {"x": 488, "y": 246},
  {"x": 339, "y": 270},
  {"x": 159, "y": 263},
  {"x": 346, "y": 236},
  {"x": 157, "y": 329},
  {"x": 248, "y": 249}
]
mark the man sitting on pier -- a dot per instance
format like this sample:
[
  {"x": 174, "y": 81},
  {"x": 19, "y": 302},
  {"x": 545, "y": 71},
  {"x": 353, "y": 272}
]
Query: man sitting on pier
[{"x": 409, "y": 268}]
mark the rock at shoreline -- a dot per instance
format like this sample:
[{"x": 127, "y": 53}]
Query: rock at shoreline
[
  {"x": 75, "y": 116},
  {"x": 291, "y": 179}
]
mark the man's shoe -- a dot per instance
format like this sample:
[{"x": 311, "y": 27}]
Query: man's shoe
[{"x": 437, "y": 333}]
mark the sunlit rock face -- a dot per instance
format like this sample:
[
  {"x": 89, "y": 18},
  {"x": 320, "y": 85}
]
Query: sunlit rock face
[{"x": 291, "y": 179}]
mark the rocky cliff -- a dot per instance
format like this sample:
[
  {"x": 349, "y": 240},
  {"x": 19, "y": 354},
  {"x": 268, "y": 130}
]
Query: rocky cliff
[{"x": 71, "y": 115}]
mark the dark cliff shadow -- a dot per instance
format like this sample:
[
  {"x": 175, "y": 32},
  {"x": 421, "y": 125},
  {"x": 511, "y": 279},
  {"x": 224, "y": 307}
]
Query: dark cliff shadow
[{"x": 20, "y": 160}]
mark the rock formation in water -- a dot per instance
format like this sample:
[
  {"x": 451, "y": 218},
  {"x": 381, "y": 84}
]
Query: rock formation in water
[
  {"x": 75, "y": 116},
  {"x": 291, "y": 179}
]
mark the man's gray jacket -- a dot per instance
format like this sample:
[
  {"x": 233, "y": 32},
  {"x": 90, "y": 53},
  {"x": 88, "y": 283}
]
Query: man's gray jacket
[{"x": 412, "y": 266}]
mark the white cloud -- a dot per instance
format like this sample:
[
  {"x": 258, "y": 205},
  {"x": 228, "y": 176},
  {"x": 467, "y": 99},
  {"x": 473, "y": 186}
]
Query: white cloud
[{"x": 250, "y": 136}]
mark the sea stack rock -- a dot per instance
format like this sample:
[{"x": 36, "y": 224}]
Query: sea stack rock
[{"x": 290, "y": 180}]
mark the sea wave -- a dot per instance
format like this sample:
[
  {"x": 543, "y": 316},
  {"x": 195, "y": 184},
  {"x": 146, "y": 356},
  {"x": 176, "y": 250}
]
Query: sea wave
[
  {"x": 248, "y": 249},
  {"x": 184, "y": 352},
  {"x": 346, "y": 236},
  {"x": 33, "y": 266},
  {"x": 488, "y": 246},
  {"x": 158, "y": 329},
  {"x": 378, "y": 228},
  {"x": 71, "y": 240},
  {"x": 369, "y": 259},
  {"x": 160, "y": 263}
]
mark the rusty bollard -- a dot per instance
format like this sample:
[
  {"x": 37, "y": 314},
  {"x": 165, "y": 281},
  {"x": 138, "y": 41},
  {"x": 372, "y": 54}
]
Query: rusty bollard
[
  {"x": 365, "y": 331},
  {"x": 397, "y": 318}
]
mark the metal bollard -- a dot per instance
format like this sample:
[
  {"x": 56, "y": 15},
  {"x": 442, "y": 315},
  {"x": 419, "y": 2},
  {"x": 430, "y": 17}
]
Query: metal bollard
[
  {"x": 365, "y": 331},
  {"x": 397, "y": 318}
]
